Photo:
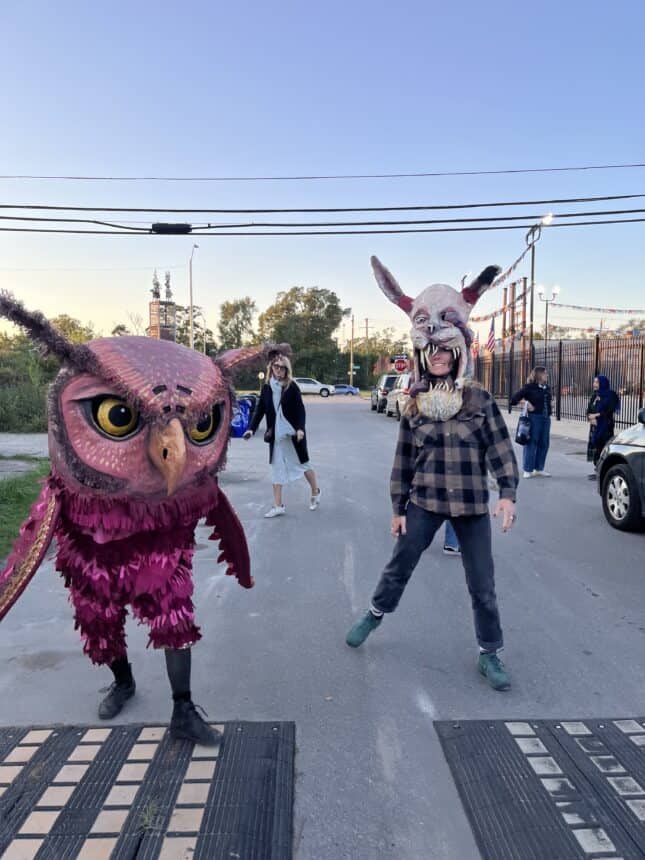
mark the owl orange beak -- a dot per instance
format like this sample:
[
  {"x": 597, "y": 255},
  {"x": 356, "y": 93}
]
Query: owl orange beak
[{"x": 167, "y": 450}]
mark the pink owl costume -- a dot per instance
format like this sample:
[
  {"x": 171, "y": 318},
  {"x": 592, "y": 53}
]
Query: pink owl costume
[
  {"x": 451, "y": 433},
  {"x": 138, "y": 430}
]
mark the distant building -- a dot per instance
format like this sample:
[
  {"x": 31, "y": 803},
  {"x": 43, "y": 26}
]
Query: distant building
[{"x": 163, "y": 314}]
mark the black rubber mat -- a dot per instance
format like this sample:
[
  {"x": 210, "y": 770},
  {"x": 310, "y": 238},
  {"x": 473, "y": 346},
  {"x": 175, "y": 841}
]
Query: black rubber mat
[
  {"x": 132, "y": 792},
  {"x": 551, "y": 790}
]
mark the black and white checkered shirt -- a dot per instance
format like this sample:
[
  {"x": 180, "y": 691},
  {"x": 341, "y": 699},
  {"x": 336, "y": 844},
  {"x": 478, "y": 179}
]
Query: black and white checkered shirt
[{"x": 442, "y": 466}]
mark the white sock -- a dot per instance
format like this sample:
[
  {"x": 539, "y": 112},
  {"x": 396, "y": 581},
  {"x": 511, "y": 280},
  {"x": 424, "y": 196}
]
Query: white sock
[{"x": 376, "y": 613}]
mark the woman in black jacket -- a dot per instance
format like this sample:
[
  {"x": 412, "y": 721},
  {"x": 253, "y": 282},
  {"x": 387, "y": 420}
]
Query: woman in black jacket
[
  {"x": 281, "y": 405},
  {"x": 537, "y": 396}
]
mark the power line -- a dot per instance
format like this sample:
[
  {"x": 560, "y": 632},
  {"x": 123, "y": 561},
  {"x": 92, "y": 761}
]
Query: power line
[
  {"x": 307, "y": 224},
  {"x": 319, "y": 232},
  {"x": 410, "y": 208},
  {"x": 435, "y": 173}
]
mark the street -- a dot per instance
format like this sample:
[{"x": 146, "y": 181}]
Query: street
[{"x": 371, "y": 777}]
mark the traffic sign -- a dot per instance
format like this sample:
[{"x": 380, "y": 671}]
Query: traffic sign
[{"x": 401, "y": 365}]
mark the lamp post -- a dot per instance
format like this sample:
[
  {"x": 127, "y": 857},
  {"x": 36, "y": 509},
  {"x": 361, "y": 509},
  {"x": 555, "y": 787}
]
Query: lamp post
[
  {"x": 555, "y": 292},
  {"x": 532, "y": 237},
  {"x": 190, "y": 294}
]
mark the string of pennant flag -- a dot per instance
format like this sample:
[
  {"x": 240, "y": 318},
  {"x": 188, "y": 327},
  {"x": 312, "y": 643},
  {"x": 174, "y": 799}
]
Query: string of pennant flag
[{"x": 627, "y": 311}]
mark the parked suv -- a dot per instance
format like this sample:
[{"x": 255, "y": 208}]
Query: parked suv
[
  {"x": 621, "y": 477},
  {"x": 312, "y": 386},
  {"x": 395, "y": 399},
  {"x": 380, "y": 391}
]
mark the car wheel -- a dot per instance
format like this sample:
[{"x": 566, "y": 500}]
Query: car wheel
[
  {"x": 373, "y": 406},
  {"x": 621, "y": 502},
  {"x": 324, "y": 392},
  {"x": 381, "y": 406}
]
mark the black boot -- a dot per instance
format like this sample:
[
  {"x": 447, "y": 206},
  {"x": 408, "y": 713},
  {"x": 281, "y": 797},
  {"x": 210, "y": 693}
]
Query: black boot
[
  {"x": 186, "y": 723},
  {"x": 120, "y": 691}
]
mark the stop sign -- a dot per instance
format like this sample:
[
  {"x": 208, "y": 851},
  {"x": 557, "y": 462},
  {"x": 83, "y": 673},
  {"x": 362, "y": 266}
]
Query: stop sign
[{"x": 400, "y": 365}]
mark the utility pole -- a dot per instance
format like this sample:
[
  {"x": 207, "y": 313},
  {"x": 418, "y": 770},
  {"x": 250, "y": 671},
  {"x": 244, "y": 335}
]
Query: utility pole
[{"x": 351, "y": 355}]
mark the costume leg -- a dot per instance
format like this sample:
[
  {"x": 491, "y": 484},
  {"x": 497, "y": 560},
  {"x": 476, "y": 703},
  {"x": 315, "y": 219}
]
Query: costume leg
[
  {"x": 178, "y": 665},
  {"x": 162, "y": 598},
  {"x": 186, "y": 723},
  {"x": 474, "y": 535},
  {"x": 421, "y": 527},
  {"x": 100, "y": 616}
]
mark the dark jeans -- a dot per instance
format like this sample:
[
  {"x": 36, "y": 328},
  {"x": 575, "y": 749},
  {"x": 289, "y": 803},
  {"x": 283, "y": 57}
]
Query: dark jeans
[
  {"x": 476, "y": 554},
  {"x": 535, "y": 452}
]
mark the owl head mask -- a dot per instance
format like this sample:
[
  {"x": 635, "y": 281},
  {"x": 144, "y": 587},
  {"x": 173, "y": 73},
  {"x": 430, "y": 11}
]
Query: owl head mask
[{"x": 134, "y": 416}]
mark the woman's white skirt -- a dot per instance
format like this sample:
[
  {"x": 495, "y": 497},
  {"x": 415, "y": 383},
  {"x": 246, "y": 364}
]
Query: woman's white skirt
[{"x": 286, "y": 467}]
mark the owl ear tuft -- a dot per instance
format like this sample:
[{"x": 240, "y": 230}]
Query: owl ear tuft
[
  {"x": 48, "y": 338},
  {"x": 248, "y": 356}
]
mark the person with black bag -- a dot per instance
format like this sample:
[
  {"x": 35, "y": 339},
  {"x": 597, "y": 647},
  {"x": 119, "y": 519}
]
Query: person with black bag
[
  {"x": 280, "y": 403},
  {"x": 537, "y": 396}
]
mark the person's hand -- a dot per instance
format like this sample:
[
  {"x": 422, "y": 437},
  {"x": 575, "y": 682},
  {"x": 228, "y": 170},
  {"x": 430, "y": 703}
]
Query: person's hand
[
  {"x": 530, "y": 406},
  {"x": 505, "y": 508},
  {"x": 247, "y": 435},
  {"x": 398, "y": 526},
  {"x": 300, "y": 435}
]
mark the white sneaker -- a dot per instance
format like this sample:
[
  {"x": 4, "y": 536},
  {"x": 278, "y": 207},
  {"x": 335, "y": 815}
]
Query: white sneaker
[
  {"x": 275, "y": 511},
  {"x": 542, "y": 474},
  {"x": 527, "y": 474},
  {"x": 314, "y": 501}
]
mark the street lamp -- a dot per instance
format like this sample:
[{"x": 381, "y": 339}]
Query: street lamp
[
  {"x": 532, "y": 237},
  {"x": 190, "y": 289},
  {"x": 200, "y": 313},
  {"x": 555, "y": 292}
]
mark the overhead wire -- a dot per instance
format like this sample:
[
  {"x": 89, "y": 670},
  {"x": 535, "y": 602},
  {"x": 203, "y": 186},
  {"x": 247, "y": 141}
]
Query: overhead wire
[
  {"x": 397, "y": 208},
  {"x": 328, "y": 176},
  {"x": 274, "y": 233}
]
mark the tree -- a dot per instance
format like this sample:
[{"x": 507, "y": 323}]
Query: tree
[
  {"x": 201, "y": 336},
  {"x": 74, "y": 330},
  {"x": 120, "y": 330},
  {"x": 235, "y": 326},
  {"x": 306, "y": 318}
]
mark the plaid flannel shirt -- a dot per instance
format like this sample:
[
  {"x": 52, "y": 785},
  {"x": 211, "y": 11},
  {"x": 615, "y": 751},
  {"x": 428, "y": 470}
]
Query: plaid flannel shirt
[{"x": 442, "y": 466}]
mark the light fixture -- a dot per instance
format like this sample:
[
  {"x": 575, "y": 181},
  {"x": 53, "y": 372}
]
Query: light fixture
[{"x": 548, "y": 218}]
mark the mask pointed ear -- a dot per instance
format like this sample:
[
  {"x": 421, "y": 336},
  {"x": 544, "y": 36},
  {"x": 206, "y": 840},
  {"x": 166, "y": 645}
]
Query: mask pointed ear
[
  {"x": 247, "y": 356},
  {"x": 38, "y": 327},
  {"x": 482, "y": 282},
  {"x": 387, "y": 282}
]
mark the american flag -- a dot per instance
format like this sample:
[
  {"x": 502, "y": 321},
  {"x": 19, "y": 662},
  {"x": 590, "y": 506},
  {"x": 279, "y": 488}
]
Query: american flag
[
  {"x": 474, "y": 347},
  {"x": 490, "y": 343}
]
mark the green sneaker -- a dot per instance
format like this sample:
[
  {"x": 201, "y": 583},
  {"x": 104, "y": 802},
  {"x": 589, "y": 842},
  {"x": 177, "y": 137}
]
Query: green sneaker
[
  {"x": 362, "y": 629},
  {"x": 492, "y": 669}
]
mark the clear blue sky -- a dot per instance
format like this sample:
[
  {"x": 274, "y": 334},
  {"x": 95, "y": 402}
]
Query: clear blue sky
[{"x": 285, "y": 88}]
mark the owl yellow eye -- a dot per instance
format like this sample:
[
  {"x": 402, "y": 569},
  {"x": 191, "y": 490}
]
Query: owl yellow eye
[
  {"x": 204, "y": 430},
  {"x": 114, "y": 416}
]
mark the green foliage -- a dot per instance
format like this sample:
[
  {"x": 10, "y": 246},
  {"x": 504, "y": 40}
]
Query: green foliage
[
  {"x": 200, "y": 334},
  {"x": 16, "y": 497},
  {"x": 305, "y": 317},
  {"x": 24, "y": 379},
  {"x": 235, "y": 326}
]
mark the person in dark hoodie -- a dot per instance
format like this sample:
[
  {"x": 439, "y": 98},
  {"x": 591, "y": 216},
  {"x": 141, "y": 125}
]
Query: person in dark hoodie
[
  {"x": 537, "y": 396},
  {"x": 603, "y": 405}
]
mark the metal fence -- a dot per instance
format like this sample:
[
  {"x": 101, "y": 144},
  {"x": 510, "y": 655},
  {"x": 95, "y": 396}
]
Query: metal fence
[{"x": 572, "y": 365}]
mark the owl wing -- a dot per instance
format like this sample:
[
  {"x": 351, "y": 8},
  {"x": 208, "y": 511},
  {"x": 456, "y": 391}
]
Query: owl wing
[
  {"x": 232, "y": 540},
  {"x": 35, "y": 535}
]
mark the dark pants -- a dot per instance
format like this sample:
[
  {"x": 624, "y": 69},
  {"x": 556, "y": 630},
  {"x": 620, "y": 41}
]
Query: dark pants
[
  {"x": 535, "y": 452},
  {"x": 475, "y": 540}
]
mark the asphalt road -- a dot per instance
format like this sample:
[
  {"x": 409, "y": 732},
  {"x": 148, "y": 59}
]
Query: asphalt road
[{"x": 372, "y": 781}]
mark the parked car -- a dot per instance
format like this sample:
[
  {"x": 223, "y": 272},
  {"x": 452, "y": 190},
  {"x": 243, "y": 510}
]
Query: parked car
[
  {"x": 621, "y": 477},
  {"x": 312, "y": 386},
  {"x": 395, "y": 399},
  {"x": 346, "y": 389},
  {"x": 380, "y": 391}
]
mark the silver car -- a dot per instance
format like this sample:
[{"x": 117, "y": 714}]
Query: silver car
[
  {"x": 396, "y": 398},
  {"x": 307, "y": 385}
]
